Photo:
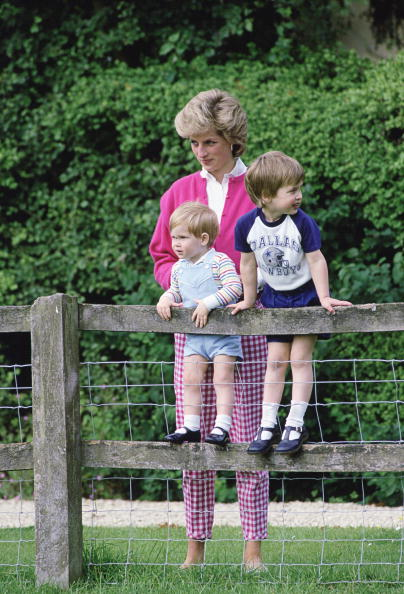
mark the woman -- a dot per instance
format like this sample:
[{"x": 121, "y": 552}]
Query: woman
[{"x": 216, "y": 126}]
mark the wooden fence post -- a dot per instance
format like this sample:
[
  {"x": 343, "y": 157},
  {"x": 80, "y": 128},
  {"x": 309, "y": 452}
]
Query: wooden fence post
[{"x": 56, "y": 439}]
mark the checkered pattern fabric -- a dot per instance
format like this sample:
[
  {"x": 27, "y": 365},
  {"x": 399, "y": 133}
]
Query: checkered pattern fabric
[{"x": 252, "y": 487}]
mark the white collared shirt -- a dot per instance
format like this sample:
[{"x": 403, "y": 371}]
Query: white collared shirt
[{"x": 217, "y": 191}]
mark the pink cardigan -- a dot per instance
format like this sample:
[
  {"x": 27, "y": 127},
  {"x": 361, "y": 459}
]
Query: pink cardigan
[{"x": 193, "y": 187}]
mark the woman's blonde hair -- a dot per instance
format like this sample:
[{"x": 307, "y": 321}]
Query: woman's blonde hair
[
  {"x": 197, "y": 218},
  {"x": 269, "y": 172},
  {"x": 217, "y": 110}
]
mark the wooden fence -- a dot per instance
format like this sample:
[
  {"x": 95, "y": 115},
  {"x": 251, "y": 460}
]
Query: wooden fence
[{"x": 57, "y": 452}]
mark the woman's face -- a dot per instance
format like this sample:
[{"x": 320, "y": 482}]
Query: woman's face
[{"x": 213, "y": 153}]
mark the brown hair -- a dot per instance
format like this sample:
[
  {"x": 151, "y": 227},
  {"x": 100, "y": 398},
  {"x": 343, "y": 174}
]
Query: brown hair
[
  {"x": 198, "y": 218},
  {"x": 214, "y": 110},
  {"x": 269, "y": 172}
]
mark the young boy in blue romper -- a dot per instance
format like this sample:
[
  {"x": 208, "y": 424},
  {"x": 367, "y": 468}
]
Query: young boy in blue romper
[
  {"x": 284, "y": 242},
  {"x": 209, "y": 279}
]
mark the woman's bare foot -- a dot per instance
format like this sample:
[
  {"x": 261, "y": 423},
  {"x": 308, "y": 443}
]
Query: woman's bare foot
[
  {"x": 252, "y": 556},
  {"x": 195, "y": 554}
]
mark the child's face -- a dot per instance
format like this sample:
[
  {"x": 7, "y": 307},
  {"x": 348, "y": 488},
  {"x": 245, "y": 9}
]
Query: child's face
[
  {"x": 186, "y": 245},
  {"x": 287, "y": 200}
]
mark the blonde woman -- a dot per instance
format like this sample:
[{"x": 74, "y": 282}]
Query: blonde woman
[{"x": 216, "y": 126}]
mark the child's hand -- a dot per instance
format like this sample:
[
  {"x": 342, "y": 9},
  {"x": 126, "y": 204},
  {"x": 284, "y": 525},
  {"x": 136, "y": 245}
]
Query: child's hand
[
  {"x": 236, "y": 307},
  {"x": 328, "y": 302},
  {"x": 164, "y": 307},
  {"x": 200, "y": 314}
]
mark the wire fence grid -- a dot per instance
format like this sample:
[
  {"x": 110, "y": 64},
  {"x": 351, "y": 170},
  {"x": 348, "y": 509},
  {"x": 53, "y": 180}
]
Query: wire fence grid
[{"x": 129, "y": 399}]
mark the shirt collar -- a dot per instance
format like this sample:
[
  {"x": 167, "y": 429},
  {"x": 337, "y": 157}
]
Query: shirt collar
[
  {"x": 238, "y": 169},
  {"x": 202, "y": 258}
]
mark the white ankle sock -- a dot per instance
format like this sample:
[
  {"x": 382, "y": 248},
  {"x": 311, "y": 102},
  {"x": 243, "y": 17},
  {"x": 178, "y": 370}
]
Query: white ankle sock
[
  {"x": 269, "y": 413},
  {"x": 296, "y": 414},
  {"x": 295, "y": 417},
  {"x": 222, "y": 421},
  {"x": 192, "y": 422}
]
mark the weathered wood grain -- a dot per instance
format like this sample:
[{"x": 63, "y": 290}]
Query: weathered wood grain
[
  {"x": 15, "y": 318},
  {"x": 16, "y": 456},
  {"x": 375, "y": 457},
  {"x": 57, "y": 443},
  {"x": 380, "y": 317}
]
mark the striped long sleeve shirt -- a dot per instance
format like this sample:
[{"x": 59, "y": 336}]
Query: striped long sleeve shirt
[{"x": 229, "y": 288}]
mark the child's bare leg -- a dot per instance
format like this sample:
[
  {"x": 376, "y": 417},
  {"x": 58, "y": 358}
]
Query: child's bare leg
[
  {"x": 195, "y": 554},
  {"x": 268, "y": 433},
  {"x": 195, "y": 367},
  {"x": 277, "y": 364},
  {"x": 302, "y": 367},
  {"x": 295, "y": 432},
  {"x": 223, "y": 380}
]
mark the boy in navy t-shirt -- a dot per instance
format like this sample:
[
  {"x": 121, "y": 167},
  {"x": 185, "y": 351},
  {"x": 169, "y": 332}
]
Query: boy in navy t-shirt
[{"x": 284, "y": 243}]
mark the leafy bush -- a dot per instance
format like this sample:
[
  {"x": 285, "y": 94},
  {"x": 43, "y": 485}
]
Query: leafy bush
[{"x": 89, "y": 147}]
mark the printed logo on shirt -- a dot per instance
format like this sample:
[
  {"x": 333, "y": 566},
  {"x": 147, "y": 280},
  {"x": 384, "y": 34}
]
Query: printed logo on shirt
[{"x": 275, "y": 263}]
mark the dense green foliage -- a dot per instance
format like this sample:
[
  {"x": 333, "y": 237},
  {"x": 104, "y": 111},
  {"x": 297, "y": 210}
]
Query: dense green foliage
[{"x": 88, "y": 95}]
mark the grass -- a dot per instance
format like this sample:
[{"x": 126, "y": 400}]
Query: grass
[{"x": 123, "y": 560}]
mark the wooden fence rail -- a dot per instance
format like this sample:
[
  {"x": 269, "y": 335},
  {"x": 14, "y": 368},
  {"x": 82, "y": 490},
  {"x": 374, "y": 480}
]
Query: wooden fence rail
[
  {"x": 371, "y": 317},
  {"x": 156, "y": 455},
  {"x": 57, "y": 452}
]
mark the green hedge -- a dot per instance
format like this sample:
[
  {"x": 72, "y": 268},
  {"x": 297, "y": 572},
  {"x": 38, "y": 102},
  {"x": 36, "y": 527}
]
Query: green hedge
[{"x": 85, "y": 161}]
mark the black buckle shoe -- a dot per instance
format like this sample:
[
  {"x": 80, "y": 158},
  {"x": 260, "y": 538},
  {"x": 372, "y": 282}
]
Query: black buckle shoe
[
  {"x": 217, "y": 439},
  {"x": 291, "y": 446},
  {"x": 190, "y": 436},
  {"x": 262, "y": 446}
]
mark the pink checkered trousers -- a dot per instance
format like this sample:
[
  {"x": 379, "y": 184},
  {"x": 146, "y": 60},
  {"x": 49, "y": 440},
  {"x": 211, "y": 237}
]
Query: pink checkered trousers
[{"x": 252, "y": 487}]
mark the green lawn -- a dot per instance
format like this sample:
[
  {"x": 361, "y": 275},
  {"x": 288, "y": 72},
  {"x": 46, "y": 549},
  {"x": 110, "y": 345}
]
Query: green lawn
[{"x": 123, "y": 560}]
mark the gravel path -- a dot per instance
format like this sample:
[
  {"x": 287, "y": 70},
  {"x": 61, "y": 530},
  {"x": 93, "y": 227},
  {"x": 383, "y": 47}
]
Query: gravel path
[{"x": 117, "y": 512}]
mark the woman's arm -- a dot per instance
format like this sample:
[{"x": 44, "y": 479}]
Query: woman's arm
[{"x": 160, "y": 246}]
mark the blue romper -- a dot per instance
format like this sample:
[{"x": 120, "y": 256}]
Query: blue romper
[{"x": 196, "y": 281}]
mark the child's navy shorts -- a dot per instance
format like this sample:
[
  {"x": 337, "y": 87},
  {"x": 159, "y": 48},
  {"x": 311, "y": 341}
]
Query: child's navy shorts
[{"x": 304, "y": 296}]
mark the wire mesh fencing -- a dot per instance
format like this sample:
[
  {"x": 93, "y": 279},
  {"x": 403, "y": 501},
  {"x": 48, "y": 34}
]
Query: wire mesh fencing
[{"x": 333, "y": 527}]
